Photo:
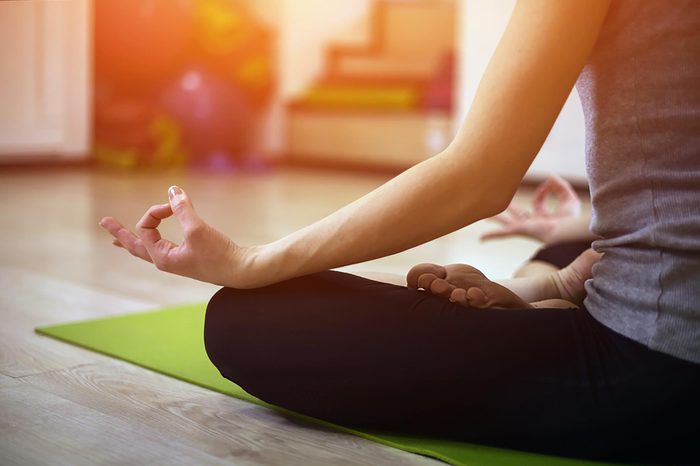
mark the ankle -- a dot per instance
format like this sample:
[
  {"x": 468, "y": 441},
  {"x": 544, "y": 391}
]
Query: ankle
[{"x": 570, "y": 284}]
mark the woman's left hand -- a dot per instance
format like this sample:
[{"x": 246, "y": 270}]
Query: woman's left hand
[{"x": 205, "y": 254}]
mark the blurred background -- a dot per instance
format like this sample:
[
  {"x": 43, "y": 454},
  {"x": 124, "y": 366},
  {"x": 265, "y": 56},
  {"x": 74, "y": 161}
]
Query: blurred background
[{"x": 249, "y": 84}]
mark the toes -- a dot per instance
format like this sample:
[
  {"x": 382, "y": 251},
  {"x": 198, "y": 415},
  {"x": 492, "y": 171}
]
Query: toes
[
  {"x": 417, "y": 271},
  {"x": 459, "y": 296},
  {"x": 477, "y": 298},
  {"x": 440, "y": 287},
  {"x": 425, "y": 280}
]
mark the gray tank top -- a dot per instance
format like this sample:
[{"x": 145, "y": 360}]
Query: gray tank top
[{"x": 641, "y": 96}]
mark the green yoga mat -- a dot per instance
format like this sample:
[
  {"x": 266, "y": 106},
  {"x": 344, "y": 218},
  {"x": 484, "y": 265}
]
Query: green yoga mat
[{"x": 170, "y": 341}]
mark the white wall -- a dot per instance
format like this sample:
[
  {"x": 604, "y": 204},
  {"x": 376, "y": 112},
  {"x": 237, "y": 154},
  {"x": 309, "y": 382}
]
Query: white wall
[
  {"x": 481, "y": 24},
  {"x": 44, "y": 79}
]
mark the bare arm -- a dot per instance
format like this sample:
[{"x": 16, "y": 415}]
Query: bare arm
[
  {"x": 523, "y": 90},
  {"x": 525, "y": 86}
]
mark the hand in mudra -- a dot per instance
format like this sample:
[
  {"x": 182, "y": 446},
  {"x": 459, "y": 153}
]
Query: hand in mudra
[
  {"x": 463, "y": 284},
  {"x": 204, "y": 254},
  {"x": 466, "y": 285},
  {"x": 541, "y": 222}
]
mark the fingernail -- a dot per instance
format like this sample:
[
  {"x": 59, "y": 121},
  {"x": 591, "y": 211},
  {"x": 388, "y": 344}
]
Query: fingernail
[{"x": 175, "y": 194}]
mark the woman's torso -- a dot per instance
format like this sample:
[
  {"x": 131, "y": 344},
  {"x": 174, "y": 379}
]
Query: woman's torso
[{"x": 641, "y": 97}]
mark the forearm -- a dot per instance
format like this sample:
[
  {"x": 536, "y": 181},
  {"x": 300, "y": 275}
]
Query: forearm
[
  {"x": 433, "y": 198},
  {"x": 571, "y": 229}
]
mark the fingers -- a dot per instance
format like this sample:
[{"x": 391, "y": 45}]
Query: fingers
[
  {"x": 569, "y": 202},
  {"x": 561, "y": 187},
  {"x": 500, "y": 233},
  {"x": 181, "y": 205},
  {"x": 148, "y": 243},
  {"x": 125, "y": 239},
  {"x": 539, "y": 198},
  {"x": 517, "y": 213},
  {"x": 511, "y": 222},
  {"x": 511, "y": 214},
  {"x": 567, "y": 199},
  {"x": 147, "y": 227},
  {"x": 413, "y": 276}
]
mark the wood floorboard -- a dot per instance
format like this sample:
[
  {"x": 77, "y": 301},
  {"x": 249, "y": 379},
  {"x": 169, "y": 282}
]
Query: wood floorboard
[
  {"x": 222, "y": 426},
  {"x": 22, "y": 355},
  {"x": 37, "y": 427},
  {"x": 31, "y": 299},
  {"x": 36, "y": 299},
  {"x": 7, "y": 381}
]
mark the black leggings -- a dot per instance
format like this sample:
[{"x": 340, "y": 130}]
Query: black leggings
[{"x": 368, "y": 354}]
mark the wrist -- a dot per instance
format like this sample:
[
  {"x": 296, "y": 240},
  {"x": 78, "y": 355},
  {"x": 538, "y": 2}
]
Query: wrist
[
  {"x": 245, "y": 267},
  {"x": 550, "y": 231},
  {"x": 267, "y": 264}
]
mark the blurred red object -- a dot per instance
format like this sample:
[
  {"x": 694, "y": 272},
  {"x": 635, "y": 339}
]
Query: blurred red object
[
  {"x": 153, "y": 107},
  {"x": 140, "y": 43},
  {"x": 215, "y": 116},
  {"x": 134, "y": 132}
]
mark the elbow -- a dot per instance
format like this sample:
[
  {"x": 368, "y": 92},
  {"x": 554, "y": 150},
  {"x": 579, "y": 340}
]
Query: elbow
[
  {"x": 494, "y": 204},
  {"x": 499, "y": 193}
]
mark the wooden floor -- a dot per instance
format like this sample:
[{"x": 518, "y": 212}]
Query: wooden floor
[{"x": 63, "y": 405}]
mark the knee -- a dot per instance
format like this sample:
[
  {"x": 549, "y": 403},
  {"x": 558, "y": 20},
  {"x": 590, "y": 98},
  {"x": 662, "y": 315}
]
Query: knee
[{"x": 225, "y": 329}]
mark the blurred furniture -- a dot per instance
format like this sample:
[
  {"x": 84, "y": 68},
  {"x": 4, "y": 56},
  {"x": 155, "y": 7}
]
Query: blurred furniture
[
  {"x": 385, "y": 103},
  {"x": 44, "y": 80}
]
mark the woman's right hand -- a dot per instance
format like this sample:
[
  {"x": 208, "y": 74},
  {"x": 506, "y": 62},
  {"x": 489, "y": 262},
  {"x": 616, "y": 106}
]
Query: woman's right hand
[
  {"x": 205, "y": 253},
  {"x": 541, "y": 223}
]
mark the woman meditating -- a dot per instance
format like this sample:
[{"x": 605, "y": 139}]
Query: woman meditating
[{"x": 616, "y": 379}]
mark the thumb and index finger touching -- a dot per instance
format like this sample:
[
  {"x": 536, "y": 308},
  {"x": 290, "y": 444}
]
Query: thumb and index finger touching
[
  {"x": 179, "y": 205},
  {"x": 148, "y": 243},
  {"x": 561, "y": 190}
]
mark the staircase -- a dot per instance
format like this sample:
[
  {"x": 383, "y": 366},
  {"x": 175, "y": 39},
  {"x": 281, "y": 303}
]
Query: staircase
[{"x": 386, "y": 103}]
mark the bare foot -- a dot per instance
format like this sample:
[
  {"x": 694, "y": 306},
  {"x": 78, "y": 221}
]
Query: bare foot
[
  {"x": 571, "y": 279},
  {"x": 463, "y": 284}
]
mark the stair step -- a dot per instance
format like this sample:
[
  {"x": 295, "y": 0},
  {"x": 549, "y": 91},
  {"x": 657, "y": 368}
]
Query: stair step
[
  {"x": 362, "y": 97},
  {"x": 367, "y": 138}
]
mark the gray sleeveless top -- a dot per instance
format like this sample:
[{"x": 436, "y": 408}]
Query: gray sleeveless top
[{"x": 641, "y": 96}]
